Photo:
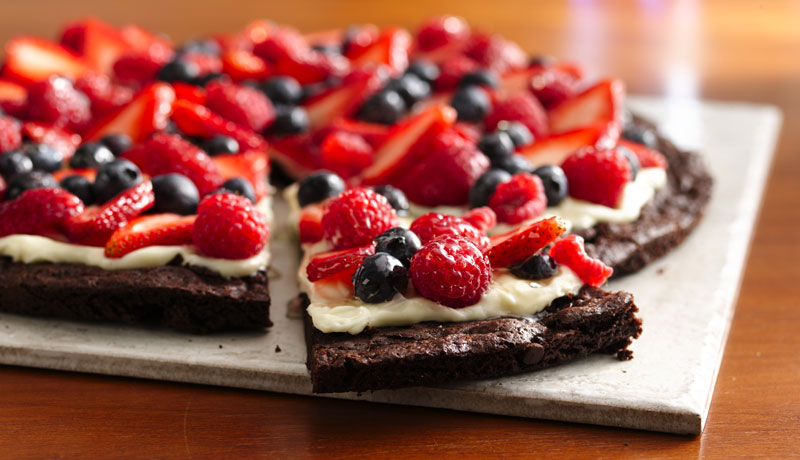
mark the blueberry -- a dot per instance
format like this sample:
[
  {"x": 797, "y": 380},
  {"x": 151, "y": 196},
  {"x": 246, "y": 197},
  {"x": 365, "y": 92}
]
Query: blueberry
[
  {"x": 179, "y": 71},
  {"x": 319, "y": 186},
  {"x": 289, "y": 120},
  {"x": 201, "y": 45},
  {"x": 519, "y": 133},
  {"x": 513, "y": 164},
  {"x": 535, "y": 267},
  {"x": 27, "y": 181},
  {"x": 640, "y": 134},
  {"x": 483, "y": 188},
  {"x": 471, "y": 103},
  {"x": 117, "y": 143},
  {"x": 379, "y": 278},
  {"x": 399, "y": 242},
  {"x": 411, "y": 88},
  {"x": 44, "y": 157},
  {"x": 542, "y": 60},
  {"x": 14, "y": 163},
  {"x": 80, "y": 187},
  {"x": 482, "y": 77},
  {"x": 175, "y": 193},
  {"x": 384, "y": 107},
  {"x": 633, "y": 160},
  {"x": 555, "y": 183},
  {"x": 220, "y": 144},
  {"x": 395, "y": 197},
  {"x": 114, "y": 178},
  {"x": 425, "y": 70},
  {"x": 240, "y": 186},
  {"x": 496, "y": 145},
  {"x": 91, "y": 155},
  {"x": 282, "y": 90}
]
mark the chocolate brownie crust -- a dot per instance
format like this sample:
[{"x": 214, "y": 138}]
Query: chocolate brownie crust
[
  {"x": 435, "y": 353},
  {"x": 184, "y": 298},
  {"x": 664, "y": 222}
]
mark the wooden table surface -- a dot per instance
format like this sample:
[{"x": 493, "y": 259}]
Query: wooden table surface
[{"x": 734, "y": 50}]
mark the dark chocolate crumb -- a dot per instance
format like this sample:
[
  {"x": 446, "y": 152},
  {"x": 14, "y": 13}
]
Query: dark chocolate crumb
[{"x": 277, "y": 348}]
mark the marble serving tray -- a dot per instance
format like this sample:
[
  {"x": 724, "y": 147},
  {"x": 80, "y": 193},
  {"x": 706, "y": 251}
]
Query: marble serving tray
[{"x": 686, "y": 299}]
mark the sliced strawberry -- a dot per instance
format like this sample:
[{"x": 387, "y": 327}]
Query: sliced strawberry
[
  {"x": 88, "y": 173},
  {"x": 570, "y": 252},
  {"x": 191, "y": 93},
  {"x": 252, "y": 165},
  {"x": 519, "y": 244},
  {"x": 342, "y": 262},
  {"x": 346, "y": 154},
  {"x": 196, "y": 120},
  {"x": 244, "y": 65},
  {"x": 553, "y": 150},
  {"x": 32, "y": 59},
  {"x": 374, "y": 133},
  {"x": 12, "y": 92},
  {"x": 95, "y": 225},
  {"x": 398, "y": 152},
  {"x": 98, "y": 43},
  {"x": 154, "y": 230},
  {"x": 648, "y": 158},
  {"x": 140, "y": 39},
  {"x": 345, "y": 99},
  {"x": 147, "y": 113},
  {"x": 310, "y": 223},
  {"x": 391, "y": 48},
  {"x": 62, "y": 139},
  {"x": 601, "y": 103},
  {"x": 298, "y": 155}
]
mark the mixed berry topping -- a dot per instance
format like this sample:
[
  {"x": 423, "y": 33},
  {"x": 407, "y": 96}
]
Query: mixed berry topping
[
  {"x": 229, "y": 227},
  {"x": 356, "y": 217}
]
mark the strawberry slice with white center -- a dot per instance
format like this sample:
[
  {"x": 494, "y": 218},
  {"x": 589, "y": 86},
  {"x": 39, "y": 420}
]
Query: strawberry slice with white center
[
  {"x": 391, "y": 48},
  {"x": 98, "y": 43},
  {"x": 519, "y": 244},
  {"x": 155, "y": 230},
  {"x": 398, "y": 153},
  {"x": 344, "y": 100},
  {"x": 145, "y": 114},
  {"x": 344, "y": 262},
  {"x": 197, "y": 120},
  {"x": 374, "y": 133},
  {"x": 601, "y": 103},
  {"x": 297, "y": 155},
  {"x": 253, "y": 166},
  {"x": 95, "y": 225},
  {"x": 32, "y": 59},
  {"x": 553, "y": 150}
]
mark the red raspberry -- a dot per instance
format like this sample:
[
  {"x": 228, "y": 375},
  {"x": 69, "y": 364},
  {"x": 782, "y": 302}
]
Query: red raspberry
[
  {"x": 451, "y": 271},
  {"x": 482, "y": 218},
  {"x": 10, "y": 134},
  {"x": 103, "y": 95},
  {"x": 520, "y": 199},
  {"x": 569, "y": 252},
  {"x": 452, "y": 69},
  {"x": 282, "y": 42},
  {"x": 522, "y": 107},
  {"x": 346, "y": 154},
  {"x": 496, "y": 53},
  {"x": 440, "y": 31},
  {"x": 444, "y": 175},
  {"x": 242, "y": 105},
  {"x": 96, "y": 224},
  {"x": 344, "y": 262},
  {"x": 228, "y": 226},
  {"x": 597, "y": 176},
  {"x": 169, "y": 153},
  {"x": 553, "y": 86},
  {"x": 517, "y": 245},
  {"x": 141, "y": 67},
  {"x": 310, "y": 224},
  {"x": 56, "y": 101},
  {"x": 206, "y": 63},
  {"x": 355, "y": 217},
  {"x": 432, "y": 225},
  {"x": 37, "y": 211}
]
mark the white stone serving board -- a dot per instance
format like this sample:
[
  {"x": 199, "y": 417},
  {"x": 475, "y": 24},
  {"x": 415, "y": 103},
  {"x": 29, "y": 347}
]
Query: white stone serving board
[{"x": 686, "y": 299}]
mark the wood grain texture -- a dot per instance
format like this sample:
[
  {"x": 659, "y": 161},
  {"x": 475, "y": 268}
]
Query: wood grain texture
[{"x": 737, "y": 50}]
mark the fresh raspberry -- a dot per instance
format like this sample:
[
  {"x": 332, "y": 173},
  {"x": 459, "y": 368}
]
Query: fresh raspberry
[
  {"x": 55, "y": 100},
  {"x": 570, "y": 252},
  {"x": 520, "y": 199},
  {"x": 169, "y": 153},
  {"x": 96, "y": 224},
  {"x": 313, "y": 66},
  {"x": 468, "y": 131},
  {"x": 597, "y": 175},
  {"x": 355, "y": 217},
  {"x": 344, "y": 262},
  {"x": 142, "y": 66},
  {"x": 310, "y": 224},
  {"x": 440, "y": 31},
  {"x": 346, "y": 154},
  {"x": 452, "y": 69},
  {"x": 432, "y": 225},
  {"x": 188, "y": 92},
  {"x": 648, "y": 158},
  {"x": 451, "y": 271},
  {"x": 10, "y": 134},
  {"x": 553, "y": 86},
  {"x": 228, "y": 226},
  {"x": 519, "y": 244},
  {"x": 281, "y": 43},
  {"x": 38, "y": 210},
  {"x": 522, "y": 107},
  {"x": 206, "y": 63},
  {"x": 445, "y": 173},
  {"x": 482, "y": 218},
  {"x": 358, "y": 38},
  {"x": 495, "y": 52},
  {"x": 242, "y": 105},
  {"x": 103, "y": 95},
  {"x": 153, "y": 230}
]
